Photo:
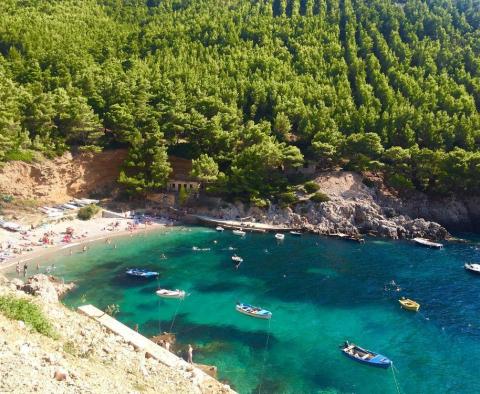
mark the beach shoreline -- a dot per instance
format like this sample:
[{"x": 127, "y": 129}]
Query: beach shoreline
[{"x": 94, "y": 230}]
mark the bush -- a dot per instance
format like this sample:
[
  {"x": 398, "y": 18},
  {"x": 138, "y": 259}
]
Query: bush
[
  {"x": 311, "y": 187},
  {"x": 23, "y": 309},
  {"x": 86, "y": 213},
  {"x": 400, "y": 182},
  {"x": 6, "y": 198},
  {"x": 288, "y": 198},
  {"x": 319, "y": 197}
]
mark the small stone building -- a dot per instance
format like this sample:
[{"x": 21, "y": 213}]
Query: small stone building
[{"x": 180, "y": 175}]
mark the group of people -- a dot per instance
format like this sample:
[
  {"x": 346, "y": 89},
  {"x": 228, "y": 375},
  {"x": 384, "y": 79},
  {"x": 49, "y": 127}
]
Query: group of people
[{"x": 19, "y": 269}]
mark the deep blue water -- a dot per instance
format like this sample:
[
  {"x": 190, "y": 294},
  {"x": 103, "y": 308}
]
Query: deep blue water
[{"x": 321, "y": 292}]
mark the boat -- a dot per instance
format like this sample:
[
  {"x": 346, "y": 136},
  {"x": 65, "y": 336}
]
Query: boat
[
  {"x": 253, "y": 311},
  {"x": 141, "y": 273},
  {"x": 279, "y": 236},
  {"x": 296, "y": 233},
  {"x": 237, "y": 259},
  {"x": 240, "y": 232},
  {"x": 427, "y": 243},
  {"x": 164, "y": 293},
  {"x": 409, "y": 304},
  {"x": 365, "y": 356},
  {"x": 472, "y": 267},
  {"x": 219, "y": 228}
]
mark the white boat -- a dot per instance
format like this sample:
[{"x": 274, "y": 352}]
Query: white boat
[
  {"x": 296, "y": 233},
  {"x": 237, "y": 259},
  {"x": 280, "y": 237},
  {"x": 427, "y": 243},
  {"x": 240, "y": 232},
  {"x": 253, "y": 311},
  {"x": 164, "y": 293},
  {"x": 473, "y": 267},
  {"x": 219, "y": 228}
]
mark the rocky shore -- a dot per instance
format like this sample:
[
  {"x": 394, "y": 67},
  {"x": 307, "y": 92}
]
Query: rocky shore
[
  {"x": 85, "y": 358},
  {"x": 353, "y": 209}
]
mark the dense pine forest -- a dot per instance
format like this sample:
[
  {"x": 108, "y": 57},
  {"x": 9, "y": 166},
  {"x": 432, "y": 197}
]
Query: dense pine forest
[{"x": 247, "y": 88}]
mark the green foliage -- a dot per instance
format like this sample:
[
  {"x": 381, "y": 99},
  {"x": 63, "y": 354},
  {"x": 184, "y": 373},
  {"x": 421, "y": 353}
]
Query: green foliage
[
  {"x": 25, "y": 310},
  {"x": 87, "y": 212},
  {"x": 288, "y": 198},
  {"x": 205, "y": 169},
  {"x": 6, "y": 198},
  {"x": 252, "y": 85},
  {"x": 311, "y": 187},
  {"x": 319, "y": 197},
  {"x": 182, "y": 195}
]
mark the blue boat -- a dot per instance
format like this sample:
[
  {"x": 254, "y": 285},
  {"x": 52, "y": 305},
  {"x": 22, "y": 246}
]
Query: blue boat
[
  {"x": 141, "y": 273},
  {"x": 365, "y": 356},
  {"x": 253, "y": 311}
]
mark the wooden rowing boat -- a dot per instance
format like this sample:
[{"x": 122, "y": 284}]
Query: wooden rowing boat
[
  {"x": 409, "y": 304},
  {"x": 365, "y": 356}
]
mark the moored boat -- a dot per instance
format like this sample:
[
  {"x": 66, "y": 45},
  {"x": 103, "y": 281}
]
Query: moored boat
[
  {"x": 427, "y": 243},
  {"x": 219, "y": 228},
  {"x": 472, "y": 267},
  {"x": 253, "y": 311},
  {"x": 296, "y": 233},
  {"x": 280, "y": 236},
  {"x": 141, "y": 273},
  {"x": 365, "y": 356},
  {"x": 237, "y": 259},
  {"x": 240, "y": 232},
  {"x": 165, "y": 293},
  {"x": 409, "y": 304}
]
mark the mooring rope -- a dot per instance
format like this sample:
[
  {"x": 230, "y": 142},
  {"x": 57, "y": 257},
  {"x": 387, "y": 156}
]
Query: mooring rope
[
  {"x": 395, "y": 379},
  {"x": 175, "y": 315},
  {"x": 264, "y": 358}
]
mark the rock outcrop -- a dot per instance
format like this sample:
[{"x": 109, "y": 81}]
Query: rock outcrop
[
  {"x": 353, "y": 209},
  {"x": 46, "y": 287}
]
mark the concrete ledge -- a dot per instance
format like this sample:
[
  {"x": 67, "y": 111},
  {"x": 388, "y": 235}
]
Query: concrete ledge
[{"x": 140, "y": 342}]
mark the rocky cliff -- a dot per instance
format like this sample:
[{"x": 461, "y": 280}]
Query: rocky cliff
[
  {"x": 353, "y": 208},
  {"x": 83, "y": 357}
]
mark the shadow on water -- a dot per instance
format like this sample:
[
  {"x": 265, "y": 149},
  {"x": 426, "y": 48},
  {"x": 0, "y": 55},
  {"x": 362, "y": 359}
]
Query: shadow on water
[
  {"x": 211, "y": 333},
  {"x": 218, "y": 287}
]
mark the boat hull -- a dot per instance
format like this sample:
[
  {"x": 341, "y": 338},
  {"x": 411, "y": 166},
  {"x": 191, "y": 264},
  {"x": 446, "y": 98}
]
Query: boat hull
[
  {"x": 372, "y": 362},
  {"x": 413, "y": 306},
  {"x": 264, "y": 316},
  {"x": 471, "y": 269},
  {"x": 142, "y": 275},
  {"x": 166, "y": 295}
]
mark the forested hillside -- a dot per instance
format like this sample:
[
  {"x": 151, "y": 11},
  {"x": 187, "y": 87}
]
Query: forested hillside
[{"x": 248, "y": 88}]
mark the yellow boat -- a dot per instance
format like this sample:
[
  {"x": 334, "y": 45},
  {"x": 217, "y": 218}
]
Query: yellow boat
[{"x": 409, "y": 304}]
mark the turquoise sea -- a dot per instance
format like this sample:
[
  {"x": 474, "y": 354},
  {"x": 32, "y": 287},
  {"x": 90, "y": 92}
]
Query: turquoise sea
[{"x": 321, "y": 292}]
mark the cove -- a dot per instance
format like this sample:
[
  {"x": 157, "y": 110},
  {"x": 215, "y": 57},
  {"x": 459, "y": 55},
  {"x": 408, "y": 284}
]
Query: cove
[{"x": 321, "y": 292}]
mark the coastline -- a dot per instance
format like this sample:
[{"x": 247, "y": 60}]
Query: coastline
[{"x": 39, "y": 251}]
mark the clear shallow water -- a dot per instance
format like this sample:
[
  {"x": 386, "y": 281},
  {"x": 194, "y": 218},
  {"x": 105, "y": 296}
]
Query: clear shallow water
[{"x": 321, "y": 292}]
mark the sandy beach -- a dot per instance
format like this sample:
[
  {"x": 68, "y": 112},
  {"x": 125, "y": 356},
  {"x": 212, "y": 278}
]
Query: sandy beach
[{"x": 50, "y": 238}]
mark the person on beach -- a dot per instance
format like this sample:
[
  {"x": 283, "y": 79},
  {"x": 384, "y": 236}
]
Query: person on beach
[
  {"x": 190, "y": 354},
  {"x": 25, "y": 269},
  {"x": 85, "y": 248},
  {"x": 38, "y": 267},
  {"x": 18, "y": 268}
]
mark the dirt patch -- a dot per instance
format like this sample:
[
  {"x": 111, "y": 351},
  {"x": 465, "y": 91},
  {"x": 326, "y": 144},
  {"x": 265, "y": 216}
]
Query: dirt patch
[
  {"x": 60, "y": 179},
  {"x": 343, "y": 184}
]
